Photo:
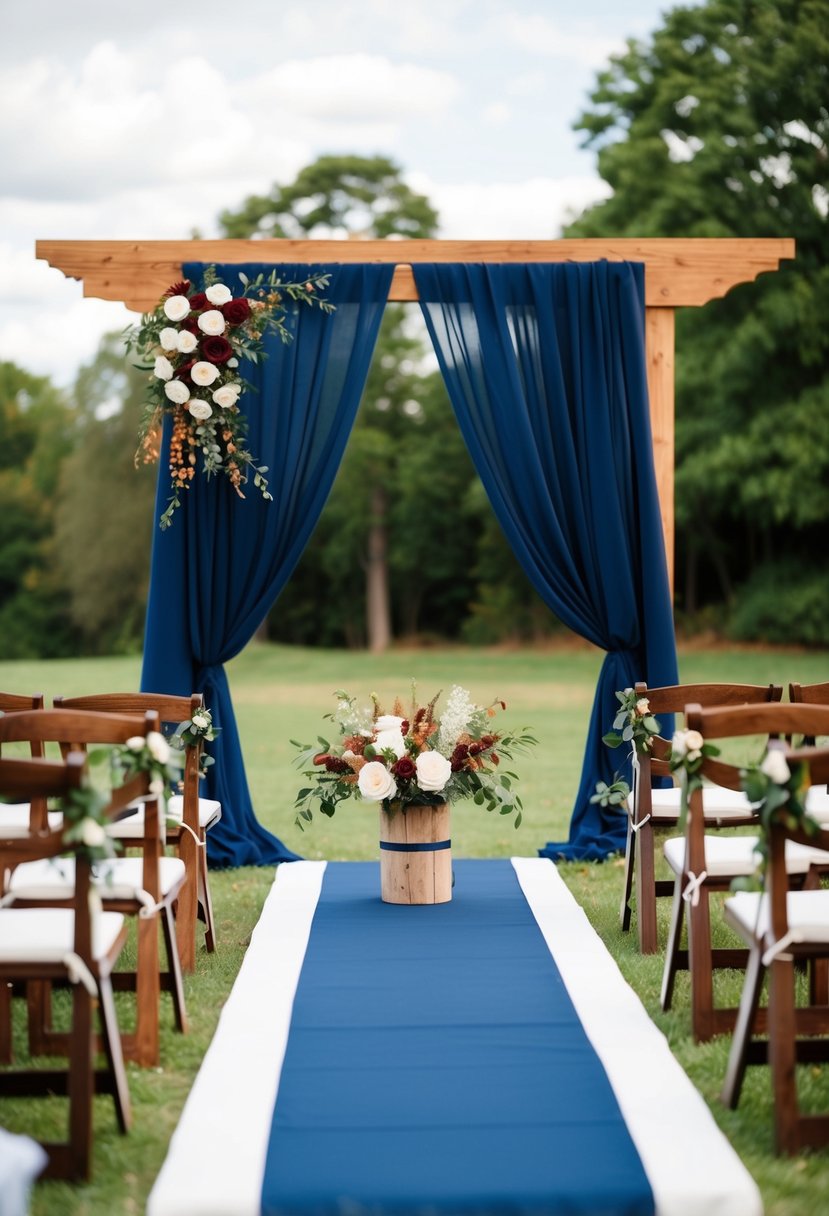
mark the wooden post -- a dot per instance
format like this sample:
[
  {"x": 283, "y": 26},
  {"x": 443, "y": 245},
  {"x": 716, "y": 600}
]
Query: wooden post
[{"x": 659, "y": 353}]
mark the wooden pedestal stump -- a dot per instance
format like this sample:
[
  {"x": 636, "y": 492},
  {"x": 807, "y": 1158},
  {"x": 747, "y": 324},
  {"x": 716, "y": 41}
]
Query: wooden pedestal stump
[{"x": 416, "y": 855}]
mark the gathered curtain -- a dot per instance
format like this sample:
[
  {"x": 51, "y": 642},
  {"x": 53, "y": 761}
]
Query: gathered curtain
[
  {"x": 545, "y": 368},
  {"x": 216, "y": 571}
]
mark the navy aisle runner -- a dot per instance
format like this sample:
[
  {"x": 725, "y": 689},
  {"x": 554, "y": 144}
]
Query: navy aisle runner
[{"x": 436, "y": 1065}]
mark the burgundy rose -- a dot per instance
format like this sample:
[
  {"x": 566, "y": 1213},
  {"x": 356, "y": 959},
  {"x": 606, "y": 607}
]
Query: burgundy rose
[
  {"x": 199, "y": 301},
  {"x": 216, "y": 349},
  {"x": 335, "y": 764},
  {"x": 235, "y": 312},
  {"x": 404, "y": 768},
  {"x": 404, "y": 726},
  {"x": 183, "y": 372},
  {"x": 191, "y": 324},
  {"x": 178, "y": 289}
]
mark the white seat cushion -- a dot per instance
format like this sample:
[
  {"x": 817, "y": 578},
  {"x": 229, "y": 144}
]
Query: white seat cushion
[
  {"x": 728, "y": 856},
  {"x": 47, "y": 935},
  {"x": 14, "y": 820},
  {"x": 132, "y": 828},
  {"x": 807, "y": 911},
  {"x": 718, "y": 804},
  {"x": 116, "y": 878},
  {"x": 817, "y": 804}
]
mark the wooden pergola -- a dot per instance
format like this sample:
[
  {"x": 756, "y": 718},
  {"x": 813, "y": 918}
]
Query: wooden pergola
[{"x": 679, "y": 273}]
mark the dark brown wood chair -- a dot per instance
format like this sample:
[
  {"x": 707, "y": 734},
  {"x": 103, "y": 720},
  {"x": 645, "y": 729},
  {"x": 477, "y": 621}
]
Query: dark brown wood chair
[
  {"x": 705, "y": 863},
  {"x": 657, "y": 809},
  {"x": 22, "y": 817},
  {"x": 189, "y": 817},
  {"x": 144, "y": 887},
  {"x": 784, "y": 929},
  {"x": 70, "y": 945}
]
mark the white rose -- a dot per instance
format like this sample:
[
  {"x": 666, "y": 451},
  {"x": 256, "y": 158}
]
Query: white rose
[
  {"x": 433, "y": 771},
  {"x": 200, "y": 721},
  {"x": 391, "y": 739},
  {"x": 136, "y": 743},
  {"x": 186, "y": 342},
  {"x": 92, "y": 833},
  {"x": 388, "y": 722},
  {"x": 693, "y": 740},
  {"x": 218, "y": 294},
  {"x": 226, "y": 395},
  {"x": 169, "y": 339},
  {"x": 212, "y": 322},
  {"x": 163, "y": 369},
  {"x": 642, "y": 707},
  {"x": 774, "y": 766},
  {"x": 375, "y": 782},
  {"x": 177, "y": 391},
  {"x": 678, "y": 744},
  {"x": 157, "y": 786},
  {"x": 176, "y": 308},
  {"x": 199, "y": 410},
  {"x": 204, "y": 373},
  {"x": 158, "y": 747}
]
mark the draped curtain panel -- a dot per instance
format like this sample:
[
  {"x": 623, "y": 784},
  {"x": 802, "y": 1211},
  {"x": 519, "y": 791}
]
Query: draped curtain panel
[
  {"x": 217, "y": 570},
  {"x": 545, "y": 367}
]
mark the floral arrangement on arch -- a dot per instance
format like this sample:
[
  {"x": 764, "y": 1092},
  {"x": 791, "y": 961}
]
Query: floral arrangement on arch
[
  {"x": 193, "y": 344},
  {"x": 411, "y": 757}
]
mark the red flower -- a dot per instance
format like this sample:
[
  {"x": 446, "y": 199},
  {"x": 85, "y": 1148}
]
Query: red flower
[
  {"x": 236, "y": 311},
  {"x": 183, "y": 372},
  {"x": 177, "y": 289},
  {"x": 199, "y": 301},
  {"x": 216, "y": 349},
  {"x": 334, "y": 764},
  {"x": 191, "y": 325},
  {"x": 404, "y": 768}
]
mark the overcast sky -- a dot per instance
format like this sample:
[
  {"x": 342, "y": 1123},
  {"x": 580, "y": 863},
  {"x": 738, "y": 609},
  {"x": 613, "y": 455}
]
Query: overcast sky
[{"x": 123, "y": 120}]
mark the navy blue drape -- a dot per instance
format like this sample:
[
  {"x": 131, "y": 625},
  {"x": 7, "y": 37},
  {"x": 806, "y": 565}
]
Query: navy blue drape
[
  {"x": 218, "y": 569},
  {"x": 545, "y": 367}
]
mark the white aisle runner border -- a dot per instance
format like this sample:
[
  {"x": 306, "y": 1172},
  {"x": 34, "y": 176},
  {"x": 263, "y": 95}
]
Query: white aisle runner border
[{"x": 216, "y": 1158}]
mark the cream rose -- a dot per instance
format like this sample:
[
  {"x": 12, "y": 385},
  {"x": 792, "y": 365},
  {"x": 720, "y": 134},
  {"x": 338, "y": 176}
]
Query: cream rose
[
  {"x": 200, "y": 721},
  {"x": 163, "y": 368},
  {"x": 218, "y": 294},
  {"x": 177, "y": 391},
  {"x": 774, "y": 766},
  {"x": 643, "y": 706},
  {"x": 375, "y": 782},
  {"x": 226, "y": 395},
  {"x": 169, "y": 338},
  {"x": 433, "y": 771},
  {"x": 212, "y": 322},
  {"x": 199, "y": 410},
  {"x": 391, "y": 739},
  {"x": 136, "y": 743},
  {"x": 204, "y": 373},
  {"x": 176, "y": 308},
  {"x": 388, "y": 722},
  {"x": 158, "y": 747},
  {"x": 92, "y": 833},
  {"x": 186, "y": 342}
]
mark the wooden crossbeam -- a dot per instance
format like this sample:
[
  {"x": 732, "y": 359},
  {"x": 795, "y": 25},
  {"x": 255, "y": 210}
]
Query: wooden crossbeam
[{"x": 679, "y": 273}]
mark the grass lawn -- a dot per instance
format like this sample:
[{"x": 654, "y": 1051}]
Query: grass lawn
[{"x": 281, "y": 694}]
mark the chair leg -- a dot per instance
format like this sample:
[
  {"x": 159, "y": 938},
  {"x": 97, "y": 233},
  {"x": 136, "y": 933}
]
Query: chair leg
[
  {"x": 144, "y": 1048},
  {"x": 749, "y": 1004},
  {"x": 81, "y": 1085},
  {"x": 674, "y": 941},
  {"x": 187, "y": 902},
  {"x": 5, "y": 1023},
  {"x": 646, "y": 891},
  {"x": 169, "y": 925},
  {"x": 630, "y": 857},
  {"x": 782, "y": 1056},
  {"x": 111, "y": 1038},
  {"x": 206, "y": 902},
  {"x": 700, "y": 965},
  {"x": 39, "y": 1014}
]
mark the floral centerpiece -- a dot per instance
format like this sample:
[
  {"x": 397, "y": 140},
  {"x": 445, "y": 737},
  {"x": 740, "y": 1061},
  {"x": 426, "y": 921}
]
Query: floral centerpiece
[
  {"x": 193, "y": 344},
  {"x": 411, "y": 757}
]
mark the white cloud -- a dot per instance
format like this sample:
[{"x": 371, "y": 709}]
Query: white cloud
[
  {"x": 527, "y": 210},
  {"x": 497, "y": 114},
  {"x": 537, "y": 34}
]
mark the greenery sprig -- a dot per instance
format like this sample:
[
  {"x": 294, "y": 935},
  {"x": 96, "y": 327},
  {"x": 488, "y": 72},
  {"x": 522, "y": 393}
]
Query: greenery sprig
[
  {"x": 634, "y": 724},
  {"x": 196, "y": 730},
  {"x": 778, "y": 792}
]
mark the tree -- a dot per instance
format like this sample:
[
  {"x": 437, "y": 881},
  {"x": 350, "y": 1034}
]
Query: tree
[
  {"x": 36, "y": 424},
  {"x": 105, "y": 516},
  {"x": 719, "y": 126},
  {"x": 366, "y": 197}
]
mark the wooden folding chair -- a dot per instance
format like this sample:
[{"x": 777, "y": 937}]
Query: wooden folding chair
[
  {"x": 783, "y": 929},
  {"x": 704, "y": 863},
  {"x": 144, "y": 887},
  {"x": 653, "y": 808},
  {"x": 189, "y": 817},
  {"x": 69, "y": 944},
  {"x": 21, "y": 818}
]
